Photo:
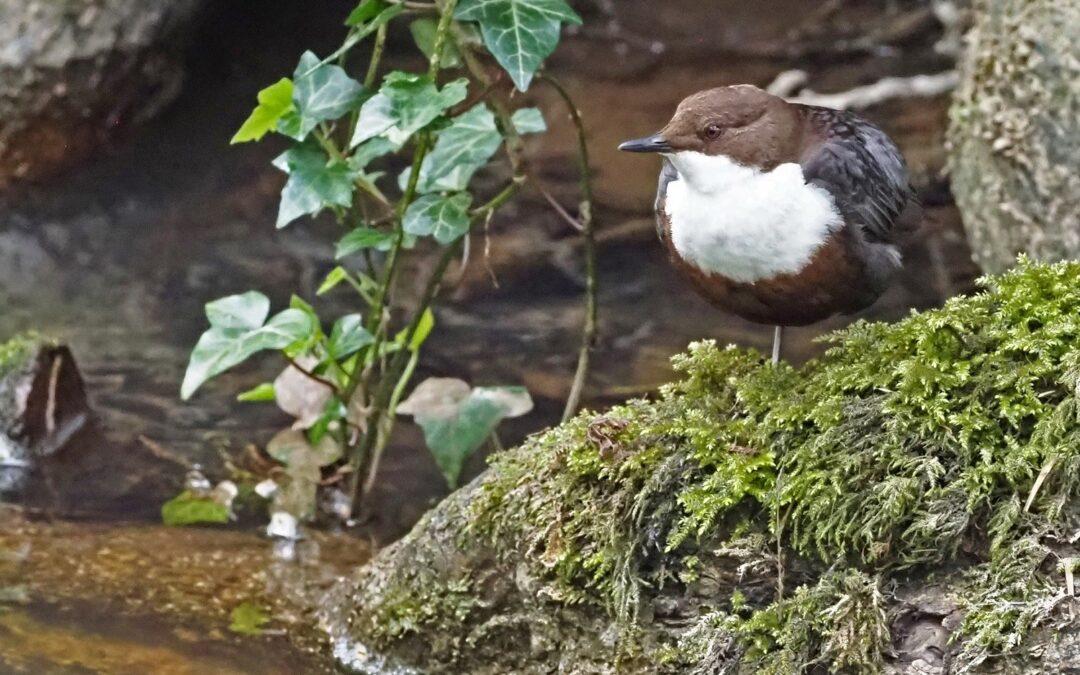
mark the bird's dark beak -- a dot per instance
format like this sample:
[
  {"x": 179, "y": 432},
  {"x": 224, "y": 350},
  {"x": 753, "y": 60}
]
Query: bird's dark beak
[{"x": 654, "y": 143}]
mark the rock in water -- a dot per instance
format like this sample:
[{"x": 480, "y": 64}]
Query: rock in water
[
  {"x": 72, "y": 72},
  {"x": 1015, "y": 132},
  {"x": 54, "y": 452}
]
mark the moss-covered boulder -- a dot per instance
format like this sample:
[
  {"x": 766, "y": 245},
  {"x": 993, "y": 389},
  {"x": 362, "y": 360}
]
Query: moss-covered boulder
[
  {"x": 906, "y": 503},
  {"x": 1015, "y": 132}
]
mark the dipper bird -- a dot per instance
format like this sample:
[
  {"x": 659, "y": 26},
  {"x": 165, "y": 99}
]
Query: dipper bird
[{"x": 780, "y": 213}]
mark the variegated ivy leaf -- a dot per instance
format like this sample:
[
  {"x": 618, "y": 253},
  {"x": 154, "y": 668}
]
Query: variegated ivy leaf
[
  {"x": 237, "y": 331},
  {"x": 321, "y": 91},
  {"x": 445, "y": 218},
  {"x": 405, "y": 104},
  {"x": 520, "y": 34},
  {"x": 466, "y": 146},
  {"x": 315, "y": 182},
  {"x": 457, "y": 419}
]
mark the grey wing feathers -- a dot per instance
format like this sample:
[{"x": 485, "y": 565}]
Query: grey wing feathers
[{"x": 865, "y": 172}]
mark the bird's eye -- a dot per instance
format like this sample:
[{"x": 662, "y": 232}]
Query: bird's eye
[{"x": 713, "y": 131}]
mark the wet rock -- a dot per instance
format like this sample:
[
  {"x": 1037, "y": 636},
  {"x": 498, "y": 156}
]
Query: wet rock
[
  {"x": 56, "y": 455},
  {"x": 1015, "y": 135},
  {"x": 74, "y": 72}
]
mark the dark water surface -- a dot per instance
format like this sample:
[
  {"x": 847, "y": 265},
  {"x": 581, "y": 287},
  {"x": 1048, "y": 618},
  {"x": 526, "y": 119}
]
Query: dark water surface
[{"x": 117, "y": 257}]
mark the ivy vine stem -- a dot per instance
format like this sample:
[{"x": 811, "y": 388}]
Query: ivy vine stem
[{"x": 588, "y": 236}]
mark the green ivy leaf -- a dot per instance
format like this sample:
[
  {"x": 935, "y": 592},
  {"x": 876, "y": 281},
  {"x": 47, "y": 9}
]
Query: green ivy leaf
[
  {"x": 405, "y": 104},
  {"x": 457, "y": 419},
  {"x": 465, "y": 146},
  {"x": 423, "y": 31},
  {"x": 366, "y": 11},
  {"x": 348, "y": 336},
  {"x": 237, "y": 332},
  {"x": 321, "y": 91},
  {"x": 335, "y": 277},
  {"x": 460, "y": 151},
  {"x": 274, "y": 101},
  {"x": 362, "y": 238},
  {"x": 315, "y": 182},
  {"x": 370, "y": 151},
  {"x": 263, "y": 392},
  {"x": 189, "y": 509},
  {"x": 445, "y": 218},
  {"x": 520, "y": 34}
]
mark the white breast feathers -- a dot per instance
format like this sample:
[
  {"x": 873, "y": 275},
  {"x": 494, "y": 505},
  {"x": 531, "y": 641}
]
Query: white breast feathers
[{"x": 744, "y": 223}]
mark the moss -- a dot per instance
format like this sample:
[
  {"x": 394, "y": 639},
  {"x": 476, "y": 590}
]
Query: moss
[
  {"x": 15, "y": 352},
  {"x": 905, "y": 447}
]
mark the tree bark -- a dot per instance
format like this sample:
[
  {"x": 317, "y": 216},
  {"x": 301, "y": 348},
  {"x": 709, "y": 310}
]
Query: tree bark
[
  {"x": 1015, "y": 132},
  {"x": 73, "y": 72}
]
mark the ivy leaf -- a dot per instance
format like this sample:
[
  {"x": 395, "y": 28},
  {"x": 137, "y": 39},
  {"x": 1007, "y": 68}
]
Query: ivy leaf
[
  {"x": 321, "y": 91},
  {"x": 464, "y": 147},
  {"x": 190, "y": 509},
  {"x": 460, "y": 151},
  {"x": 274, "y": 101},
  {"x": 520, "y": 34},
  {"x": 367, "y": 237},
  {"x": 457, "y": 419},
  {"x": 299, "y": 395},
  {"x": 348, "y": 336},
  {"x": 423, "y": 31},
  {"x": 365, "y": 11},
  {"x": 315, "y": 182},
  {"x": 445, "y": 218},
  {"x": 292, "y": 448},
  {"x": 237, "y": 332},
  {"x": 405, "y": 104},
  {"x": 262, "y": 393},
  {"x": 529, "y": 121},
  {"x": 369, "y": 151}
]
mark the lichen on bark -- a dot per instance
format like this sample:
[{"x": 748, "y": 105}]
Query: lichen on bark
[
  {"x": 1015, "y": 132},
  {"x": 902, "y": 502}
]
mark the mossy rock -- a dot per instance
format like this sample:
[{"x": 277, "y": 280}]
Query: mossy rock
[{"x": 905, "y": 503}]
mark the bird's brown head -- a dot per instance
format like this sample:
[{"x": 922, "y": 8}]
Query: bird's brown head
[{"x": 741, "y": 122}]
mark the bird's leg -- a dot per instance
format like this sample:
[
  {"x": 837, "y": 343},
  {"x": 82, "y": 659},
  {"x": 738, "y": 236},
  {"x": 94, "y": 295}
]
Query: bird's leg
[{"x": 778, "y": 336}]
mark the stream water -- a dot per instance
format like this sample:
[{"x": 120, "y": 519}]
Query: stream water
[{"x": 117, "y": 258}]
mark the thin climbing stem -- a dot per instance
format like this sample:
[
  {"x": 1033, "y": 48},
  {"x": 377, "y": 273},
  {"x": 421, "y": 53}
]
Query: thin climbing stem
[{"x": 585, "y": 220}]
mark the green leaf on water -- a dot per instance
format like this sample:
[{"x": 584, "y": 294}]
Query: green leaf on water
[
  {"x": 248, "y": 618},
  {"x": 444, "y": 218},
  {"x": 274, "y": 101},
  {"x": 457, "y": 419},
  {"x": 405, "y": 104},
  {"x": 348, "y": 336},
  {"x": 237, "y": 331},
  {"x": 423, "y": 31},
  {"x": 321, "y": 91},
  {"x": 315, "y": 182},
  {"x": 520, "y": 34},
  {"x": 189, "y": 509},
  {"x": 263, "y": 392}
]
